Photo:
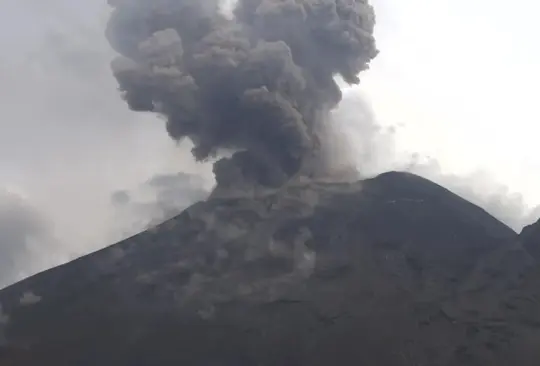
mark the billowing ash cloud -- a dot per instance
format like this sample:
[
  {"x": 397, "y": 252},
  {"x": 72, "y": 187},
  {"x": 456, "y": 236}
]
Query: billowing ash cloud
[{"x": 260, "y": 83}]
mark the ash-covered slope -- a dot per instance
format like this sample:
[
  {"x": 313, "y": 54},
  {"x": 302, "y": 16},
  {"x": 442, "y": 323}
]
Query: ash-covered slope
[
  {"x": 394, "y": 270},
  {"x": 530, "y": 237}
]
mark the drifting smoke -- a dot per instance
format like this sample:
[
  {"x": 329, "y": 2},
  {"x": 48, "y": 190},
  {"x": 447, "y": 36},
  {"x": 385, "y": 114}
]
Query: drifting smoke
[
  {"x": 167, "y": 186},
  {"x": 159, "y": 199},
  {"x": 481, "y": 189},
  {"x": 24, "y": 235},
  {"x": 260, "y": 83}
]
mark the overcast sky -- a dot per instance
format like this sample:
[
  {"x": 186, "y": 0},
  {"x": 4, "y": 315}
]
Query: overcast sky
[
  {"x": 462, "y": 75},
  {"x": 454, "y": 80}
]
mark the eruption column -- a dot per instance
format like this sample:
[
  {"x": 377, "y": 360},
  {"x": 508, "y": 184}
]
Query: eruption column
[{"x": 259, "y": 84}]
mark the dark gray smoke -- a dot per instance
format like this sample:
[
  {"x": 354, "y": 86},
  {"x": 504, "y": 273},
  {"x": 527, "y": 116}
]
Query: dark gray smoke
[{"x": 260, "y": 84}]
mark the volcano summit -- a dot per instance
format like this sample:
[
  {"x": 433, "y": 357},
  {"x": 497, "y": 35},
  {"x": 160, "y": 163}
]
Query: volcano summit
[{"x": 394, "y": 270}]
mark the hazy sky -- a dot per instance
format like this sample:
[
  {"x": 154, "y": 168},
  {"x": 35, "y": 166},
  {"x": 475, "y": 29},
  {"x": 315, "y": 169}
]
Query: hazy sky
[
  {"x": 455, "y": 80},
  {"x": 462, "y": 75}
]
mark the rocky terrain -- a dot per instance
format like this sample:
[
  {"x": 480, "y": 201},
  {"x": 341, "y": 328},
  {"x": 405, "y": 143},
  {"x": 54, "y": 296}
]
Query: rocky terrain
[
  {"x": 530, "y": 237},
  {"x": 394, "y": 270}
]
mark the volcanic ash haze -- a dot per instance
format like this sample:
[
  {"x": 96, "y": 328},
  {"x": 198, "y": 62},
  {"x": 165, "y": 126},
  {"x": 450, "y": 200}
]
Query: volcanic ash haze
[{"x": 259, "y": 83}]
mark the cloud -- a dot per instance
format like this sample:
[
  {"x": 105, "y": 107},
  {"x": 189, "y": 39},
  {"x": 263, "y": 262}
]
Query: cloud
[
  {"x": 480, "y": 188},
  {"x": 25, "y": 235},
  {"x": 67, "y": 139},
  {"x": 373, "y": 146},
  {"x": 162, "y": 197}
]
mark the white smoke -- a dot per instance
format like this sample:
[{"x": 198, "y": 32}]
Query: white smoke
[
  {"x": 68, "y": 141},
  {"x": 375, "y": 147}
]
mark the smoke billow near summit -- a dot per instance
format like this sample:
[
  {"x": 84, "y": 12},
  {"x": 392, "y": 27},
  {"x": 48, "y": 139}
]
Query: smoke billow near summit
[{"x": 260, "y": 83}]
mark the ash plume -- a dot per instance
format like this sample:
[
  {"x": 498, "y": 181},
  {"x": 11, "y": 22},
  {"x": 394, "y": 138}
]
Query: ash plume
[{"x": 259, "y": 83}]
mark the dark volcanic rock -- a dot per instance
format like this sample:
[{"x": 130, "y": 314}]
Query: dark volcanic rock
[
  {"x": 395, "y": 270},
  {"x": 530, "y": 237}
]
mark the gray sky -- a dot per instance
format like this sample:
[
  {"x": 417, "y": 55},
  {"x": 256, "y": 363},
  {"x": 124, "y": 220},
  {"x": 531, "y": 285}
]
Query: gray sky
[
  {"x": 461, "y": 76},
  {"x": 454, "y": 83},
  {"x": 67, "y": 140}
]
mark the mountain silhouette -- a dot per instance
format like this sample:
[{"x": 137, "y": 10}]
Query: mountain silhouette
[{"x": 394, "y": 270}]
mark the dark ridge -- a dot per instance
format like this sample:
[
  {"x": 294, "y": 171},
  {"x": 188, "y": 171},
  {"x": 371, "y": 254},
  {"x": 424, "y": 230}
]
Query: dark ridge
[
  {"x": 394, "y": 270},
  {"x": 408, "y": 184},
  {"x": 530, "y": 237}
]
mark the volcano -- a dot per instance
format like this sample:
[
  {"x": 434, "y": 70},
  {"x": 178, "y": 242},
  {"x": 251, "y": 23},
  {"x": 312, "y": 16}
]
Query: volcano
[{"x": 393, "y": 270}]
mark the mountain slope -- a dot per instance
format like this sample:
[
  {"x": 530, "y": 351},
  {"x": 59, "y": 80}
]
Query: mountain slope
[
  {"x": 530, "y": 237},
  {"x": 394, "y": 270}
]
